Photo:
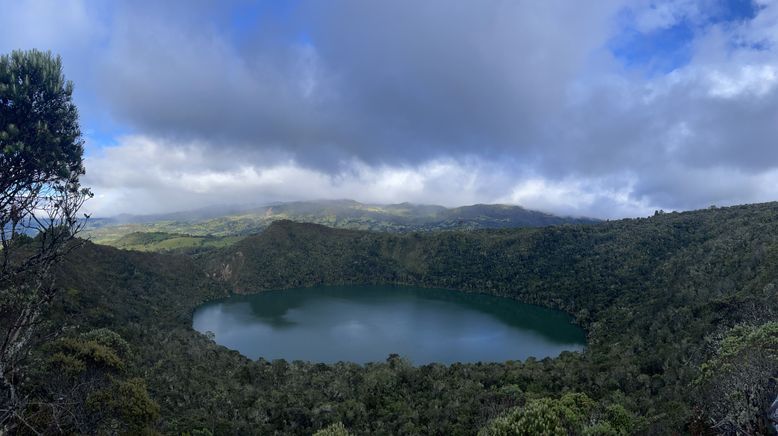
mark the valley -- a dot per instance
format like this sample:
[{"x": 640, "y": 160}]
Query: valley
[{"x": 654, "y": 295}]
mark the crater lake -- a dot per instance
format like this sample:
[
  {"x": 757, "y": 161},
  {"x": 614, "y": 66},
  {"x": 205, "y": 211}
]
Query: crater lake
[{"x": 368, "y": 323}]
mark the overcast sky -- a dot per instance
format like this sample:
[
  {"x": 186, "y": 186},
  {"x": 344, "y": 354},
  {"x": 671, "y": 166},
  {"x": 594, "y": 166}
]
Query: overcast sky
[{"x": 602, "y": 108}]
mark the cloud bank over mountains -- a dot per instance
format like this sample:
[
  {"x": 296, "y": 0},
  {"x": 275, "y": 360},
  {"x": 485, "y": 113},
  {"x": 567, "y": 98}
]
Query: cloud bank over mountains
[{"x": 607, "y": 108}]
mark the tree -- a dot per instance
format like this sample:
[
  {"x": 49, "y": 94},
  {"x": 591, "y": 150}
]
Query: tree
[
  {"x": 739, "y": 384},
  {"x": 40, "y": 196}
]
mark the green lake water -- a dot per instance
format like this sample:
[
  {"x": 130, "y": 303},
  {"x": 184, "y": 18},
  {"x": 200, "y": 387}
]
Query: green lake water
[{"x": 368, "y": 323}]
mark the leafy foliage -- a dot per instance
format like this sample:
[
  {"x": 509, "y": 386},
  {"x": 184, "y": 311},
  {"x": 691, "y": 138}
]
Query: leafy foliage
[
  {"x": 39, "y": 133},
  {"x": 572, "y": 414},
  {"x": 128, "y": 404}
]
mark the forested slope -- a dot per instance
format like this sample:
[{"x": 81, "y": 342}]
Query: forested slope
[{"x": 659, "y": 298}]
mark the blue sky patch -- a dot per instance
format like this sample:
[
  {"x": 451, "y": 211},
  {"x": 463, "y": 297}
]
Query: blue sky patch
[{"x": 664, "y": 49}]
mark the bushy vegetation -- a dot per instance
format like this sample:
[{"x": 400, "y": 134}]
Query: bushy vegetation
[
  {"x": 740, "y": 381},
  {"x": 678, "y": 309},
  {"x": 572, "y": 414},
  {"x": 81, "y": 385}
]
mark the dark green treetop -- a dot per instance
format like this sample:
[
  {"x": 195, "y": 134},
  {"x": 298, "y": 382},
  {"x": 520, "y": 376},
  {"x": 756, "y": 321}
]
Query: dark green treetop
[{"x": 40, "y": 137}]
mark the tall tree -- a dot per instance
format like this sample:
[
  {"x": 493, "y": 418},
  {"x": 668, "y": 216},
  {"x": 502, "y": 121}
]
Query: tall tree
[{"x": 40, "y": 196}]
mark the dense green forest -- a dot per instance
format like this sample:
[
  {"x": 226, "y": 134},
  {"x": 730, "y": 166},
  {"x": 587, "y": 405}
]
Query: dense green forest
[
  {"x": 192, "y": 231},
  {"x": 680, "y": 311}
]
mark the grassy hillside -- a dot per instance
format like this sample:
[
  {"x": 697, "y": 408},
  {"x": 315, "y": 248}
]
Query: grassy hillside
[
  {"x": 161, "y": 241},
  {"x": 676, "y": 307},
  {"x": 339, "y": 214}
]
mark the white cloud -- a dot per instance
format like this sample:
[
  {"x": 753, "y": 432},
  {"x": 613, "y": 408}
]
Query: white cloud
[
  {"x": 144, "y": 175},
  {"x": 573, "y": 196},
  {"x": 433, "y": 103},
  {"x": 751, "y": 80}
]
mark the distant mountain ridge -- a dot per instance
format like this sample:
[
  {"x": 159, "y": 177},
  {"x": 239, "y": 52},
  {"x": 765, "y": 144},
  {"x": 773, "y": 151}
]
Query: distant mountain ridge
[{"x": 204, "y": 227}]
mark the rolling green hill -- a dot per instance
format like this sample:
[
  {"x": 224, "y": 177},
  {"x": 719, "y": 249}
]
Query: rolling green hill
[
  {"x": 161, "y": 241},
  {"x": 679, "y": 308},
  {"x": 186, "y": 231}
]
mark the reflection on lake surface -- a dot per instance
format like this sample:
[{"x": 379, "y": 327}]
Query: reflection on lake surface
[{"x": 367, "y": 323}]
